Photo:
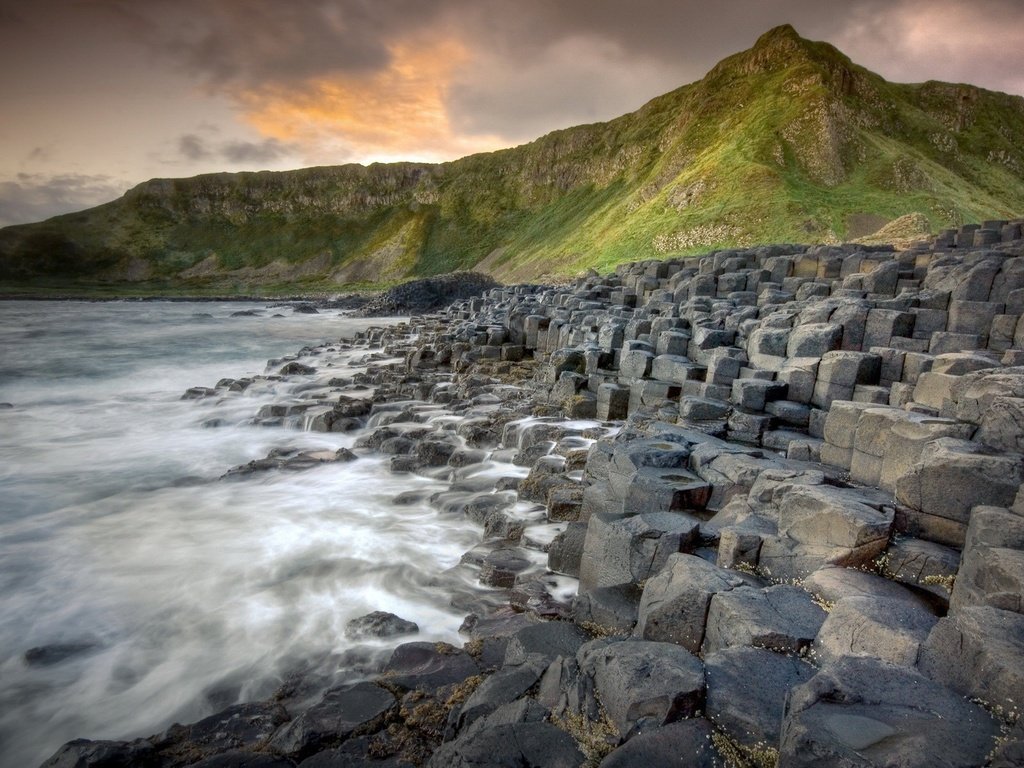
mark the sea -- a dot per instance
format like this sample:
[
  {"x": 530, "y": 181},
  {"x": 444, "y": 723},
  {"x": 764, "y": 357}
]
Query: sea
[{"x": 137, "y": 587}]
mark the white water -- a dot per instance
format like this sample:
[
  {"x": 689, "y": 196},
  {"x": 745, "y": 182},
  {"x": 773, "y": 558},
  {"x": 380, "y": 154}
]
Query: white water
[{"x": 190, "y": 593}]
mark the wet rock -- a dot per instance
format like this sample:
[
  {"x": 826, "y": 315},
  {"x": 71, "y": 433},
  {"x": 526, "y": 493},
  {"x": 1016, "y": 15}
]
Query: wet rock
[
  {"x": 427, "y": 666},
  {"x": 48, "y": 655},
  {"x": 510, "y": 746},
  {"x": 296, "y": 369},
  {"x": 379, "y": 624},
  {"x": 548, "y": 640},
  {"x": 82, "y": 753},
  {"x": 687, "y": 742},
  {"x": 503, "y": 687},
  {"x": 341, "y": 713},
  {"x": 243, "y": 759}
]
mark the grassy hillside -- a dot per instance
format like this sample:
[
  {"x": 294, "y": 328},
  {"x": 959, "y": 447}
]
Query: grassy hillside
[{"x": 788, "y": 141}]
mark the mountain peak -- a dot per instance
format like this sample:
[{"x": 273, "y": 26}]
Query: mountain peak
[{"x": 778, "y": 35}]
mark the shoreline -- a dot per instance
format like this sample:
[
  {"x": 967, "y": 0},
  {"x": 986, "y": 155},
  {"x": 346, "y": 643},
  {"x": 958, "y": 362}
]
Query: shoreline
[{"x": 781, "y": 479}]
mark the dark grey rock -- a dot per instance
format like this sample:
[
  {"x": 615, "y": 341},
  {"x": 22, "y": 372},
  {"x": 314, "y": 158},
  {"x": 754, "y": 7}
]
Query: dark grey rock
[
  {"x": 686, "y": 744},
  {"x": 379, "y": 624},
  {"x": 428, "y": 666},
  {"x": 342, "y": 712},
  {"x": 746, "y": 691},
  {"x": 643, "y": 684},
  {"x": 549, "y": 639},
  {"x": 521, "y": 745},
  {"x": 782, "y": 618},
  {"x": 867, "y": 713},
  {"x": 82, "y": 753}
]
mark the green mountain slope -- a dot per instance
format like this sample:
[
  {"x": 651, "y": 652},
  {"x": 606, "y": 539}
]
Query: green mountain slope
[{"x": 788, "y": 141}]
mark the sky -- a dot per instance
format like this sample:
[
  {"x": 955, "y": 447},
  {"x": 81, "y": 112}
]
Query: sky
[{"x": 99, "y": 95}]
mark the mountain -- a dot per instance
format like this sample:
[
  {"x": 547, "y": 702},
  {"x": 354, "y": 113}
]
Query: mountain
[{"x": 789, "y": 141}]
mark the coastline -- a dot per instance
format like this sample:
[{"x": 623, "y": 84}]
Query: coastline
[{"x": 751, "y": 463}]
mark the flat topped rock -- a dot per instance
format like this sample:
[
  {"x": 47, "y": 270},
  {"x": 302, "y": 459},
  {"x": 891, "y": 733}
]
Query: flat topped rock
[{"x": 781, "y": 618}]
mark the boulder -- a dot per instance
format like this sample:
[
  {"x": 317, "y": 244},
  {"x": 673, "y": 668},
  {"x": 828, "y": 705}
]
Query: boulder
[
  {"x": 427, "y": 666},
  {"x": 510, "y": 746},
  {"x": 547, "y": 639},
  {"x": 379, "y": 624}
]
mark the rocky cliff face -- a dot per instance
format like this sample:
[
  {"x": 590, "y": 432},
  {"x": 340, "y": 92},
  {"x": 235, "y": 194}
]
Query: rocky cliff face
[{"x": 788, "y": 141}]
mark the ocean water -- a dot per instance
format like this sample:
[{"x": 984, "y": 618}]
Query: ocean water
[{"x": 160, "y": 592}]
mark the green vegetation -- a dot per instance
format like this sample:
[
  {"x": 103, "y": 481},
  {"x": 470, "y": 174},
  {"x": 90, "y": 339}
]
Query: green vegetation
[{"x": 787, "y": 142}]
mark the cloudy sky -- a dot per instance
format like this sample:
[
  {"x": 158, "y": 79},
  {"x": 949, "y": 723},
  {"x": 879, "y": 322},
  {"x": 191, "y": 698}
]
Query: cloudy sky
[{"x": 98, "y": 95}]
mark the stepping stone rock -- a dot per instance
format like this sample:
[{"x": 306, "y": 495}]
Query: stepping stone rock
[
  {"x": 428, "y": 666},
  {"x": 510, "y": 746},
  {"x": 380, "y": 624}
]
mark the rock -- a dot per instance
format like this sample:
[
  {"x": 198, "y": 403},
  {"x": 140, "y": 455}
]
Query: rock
[
  {"x": 503, "y": 687},
  {"x": 379, "y": 624},
  {"x": 674, "y": 605},
  {"x": 566, "y": 550},
  {"x": 547, "y": 639},
  {"x": 746, "y": 690},
  {"x": 521, "y": 745},
  {"x": 643, "y": 684},
  {"x": 48, "y": 655},
  {"x": 427, "y": 666},
  {"x": 296, "y": 369},
  {"x": 342, "y": 712},
  {"x": 683, "y": 743},
  {"x": 241, "y": 727},
  {"x": 781, "y": 618},
  {"x": 865, "y": 712},
  {"x": 82, "y": 753},
  {"x": 951, "y": 478},
  {"x": 890, "y": 630},
  {"x": 979, "y": 652},
  {"x": 241, "y": 759},
  {"x": 831, "y": 584},
  {"x": 618, "y": 550}
]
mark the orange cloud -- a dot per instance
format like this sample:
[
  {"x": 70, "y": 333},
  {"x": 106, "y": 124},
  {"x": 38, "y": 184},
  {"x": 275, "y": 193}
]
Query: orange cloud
[{"x": 395, "y": 113}]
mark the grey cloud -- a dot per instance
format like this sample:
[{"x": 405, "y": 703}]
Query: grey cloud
[
  {"x": 193, "y": 147},
  {"x": 255, "y": 152},
  {"x": 250, "y": 44},
  {"x": 33, "y": 197}
]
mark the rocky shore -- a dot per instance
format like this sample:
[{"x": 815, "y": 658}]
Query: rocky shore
[{"x": 784, "y": 481}]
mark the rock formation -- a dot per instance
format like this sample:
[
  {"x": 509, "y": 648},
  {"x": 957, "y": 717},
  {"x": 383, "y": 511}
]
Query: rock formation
[{"x": 786, "y": 478}]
